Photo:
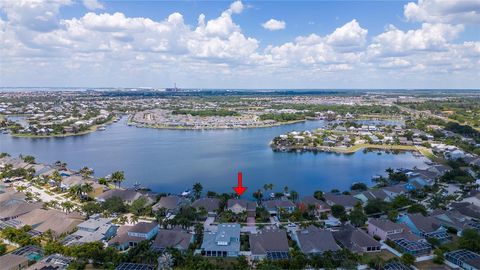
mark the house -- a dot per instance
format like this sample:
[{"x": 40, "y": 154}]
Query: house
[
  {"x": 426, "y": 227},
  {"x": 320, "y": 206},
  {"x": 464, "y": 259},
  {"x": 77, "y": 180},
  {"x": 382, "y": 228},
  {"x": 473, "y": 198},
  {"x": 211, "y": 205},
  {"x": 225, "y": 242},
  {"x": 57, "y": 222},
  {"x": 13, "y": 205},
  {"x": 130, "y": 236},
  {"x": 356, "y": 240},
  {"x": 92, "y": 230},
  {"x": 276, "y": 205},
  {"x": 171, "y": 204},
  {"x": 395, "y": 190},
  {"x": 13, "y": 262},
  {"x": 128, "y": 196},
  {"x": 454, "y": 219},
  {"x": 372, "y": 194},
  {"x": 238, "y": 206},
  {"x": 347, "y": 201},
  {"x": 52, "y": 262},
  {"x": 177, "y": 239},
  {"x": 315, "y": 241},
  {"x": 467, "y": 209},
  {"x": 269, "y": 244}
]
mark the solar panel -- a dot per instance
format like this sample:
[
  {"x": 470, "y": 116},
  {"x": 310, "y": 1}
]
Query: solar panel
[{"x": 277, "y": 255}]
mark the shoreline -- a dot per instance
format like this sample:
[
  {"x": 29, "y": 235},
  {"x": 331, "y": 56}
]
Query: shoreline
[
  {"x": 353, "y": 149},
  {"x": 90, "y": 130},
  {"x": 140, "y": 125}
]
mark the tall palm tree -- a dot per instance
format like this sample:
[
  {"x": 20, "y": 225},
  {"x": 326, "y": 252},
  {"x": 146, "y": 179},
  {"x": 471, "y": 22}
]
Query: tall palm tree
[
  {"x": 294, "y": 195},
  {"x": 76, "y": 191},
  {"x": 133, "y": 219},
  {"x": 86, "y": 172},
  {"x": 197, "y": 190},
  {"x": 118, "y": 177},
  {"x": 86, "y": 188}
]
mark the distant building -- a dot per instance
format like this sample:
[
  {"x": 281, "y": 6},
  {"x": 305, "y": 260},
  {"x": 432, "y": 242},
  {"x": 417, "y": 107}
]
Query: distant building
[
  {"x": 225, "y": 242},
  {"x": 171, "y": 204},
  {"x": 426, "y": 227},
  {"x": 238, "y": 206},
  {"x": 211, "y": 205},
  {"x": 274, "y": 206}
]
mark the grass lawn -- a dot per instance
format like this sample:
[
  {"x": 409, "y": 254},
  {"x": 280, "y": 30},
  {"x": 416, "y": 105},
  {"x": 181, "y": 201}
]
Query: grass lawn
[{"x": 431, "y": 266}]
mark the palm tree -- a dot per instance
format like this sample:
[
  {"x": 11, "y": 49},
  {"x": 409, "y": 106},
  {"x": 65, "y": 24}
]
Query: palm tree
[
  {"x": 86, "y": 188},
  {"x": 197, "y": 190},
  {"x": 56, "y": 177},
  {"x": 53, "y": 204},
  {"x": 285, "y": 189},
  {"x": 76, "y": 191},
  {"x": 294, "y": 195},
  {"x": 258, "y": 195},
  {"x": 118, "y": 177},
  {"x": 67, "y": 206},
  {"x": 133, "y": 219},
  {"x": 86, "y": 172}
]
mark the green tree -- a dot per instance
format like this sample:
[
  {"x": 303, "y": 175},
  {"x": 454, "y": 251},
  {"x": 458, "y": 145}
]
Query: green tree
[
  {"x": 338, "y": 210},
  {"x": 357, "y": 216},
  {"x": 407, "y": 259},
  {"x": 470, "y": 240},
  {"x": 197, "y": 190},
  {"x": 118, "y": 177}
]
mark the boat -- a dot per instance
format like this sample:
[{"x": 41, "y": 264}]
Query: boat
[
  {"x": 186, "y": 193},
  {"x": 102, "y": 128}
]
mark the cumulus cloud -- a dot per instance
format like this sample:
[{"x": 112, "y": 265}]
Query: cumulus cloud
[
  {"x": 274, "y": 25},
  {"x": 113, "y": 47},
  {"x": 93, "y": 4},
  {"x": 443, "y": 11}
]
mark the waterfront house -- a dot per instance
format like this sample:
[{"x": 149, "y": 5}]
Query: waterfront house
[
  {"x": 464, "y": 259},
  {"x": 130, "y": 236},
  {"x": 275, "y": 205},
  {"x": 382, "y": 228},
  {"x": 225, "y": 242},
  {"x": 128, "y": 196},
  {"x": 372, "y": 194},
  {"x": 13, "y": 262},
  {"x": 426, "y": 227},
  {"x": 356, "y": 240},
  {"x": 347, "y": 201},
  {"x": 473, "y": 198},
  {"x": 238, "y": 206},
  {"x": 320, "y": 206},
  {"x": 211, "y": 205},
  {"x": 92, "y": 230},
  {"x": 176, "y": 238},
  {"x": 171, "y": 204},
  {"x": 271, "y": 244},
  {"x": 395, "y": 190},
  {"x": 315, "y": 241}
]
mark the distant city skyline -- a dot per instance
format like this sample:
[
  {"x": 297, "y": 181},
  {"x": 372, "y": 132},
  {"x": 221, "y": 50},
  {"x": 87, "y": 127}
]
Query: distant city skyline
[{"x": 240, "y": 45}]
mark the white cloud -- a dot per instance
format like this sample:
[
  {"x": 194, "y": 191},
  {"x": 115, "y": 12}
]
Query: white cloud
[
  {"x": 93, "y": 4},
  {"x": 443, "y": 11},
  {"x": 236, "y": 7},
  {"x": 274, "y": 25},
  {"x": 349, "y": 35},
  {"x": 112, "y": 48}
]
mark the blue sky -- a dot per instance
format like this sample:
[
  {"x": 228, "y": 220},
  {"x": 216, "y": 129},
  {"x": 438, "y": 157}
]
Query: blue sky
[{"x": 307, "y": 44}]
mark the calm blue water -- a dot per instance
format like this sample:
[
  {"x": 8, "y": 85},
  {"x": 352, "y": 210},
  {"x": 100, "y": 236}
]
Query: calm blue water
[{"x": 172, "y": 160}]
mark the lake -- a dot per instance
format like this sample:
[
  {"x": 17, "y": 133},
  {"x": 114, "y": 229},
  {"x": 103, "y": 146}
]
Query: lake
[{"x": 172, "y": 160}]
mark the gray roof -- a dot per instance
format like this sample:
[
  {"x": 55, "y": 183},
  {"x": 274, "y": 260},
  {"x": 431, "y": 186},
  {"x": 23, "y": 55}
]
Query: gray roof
[
  {"x": 14, "y": 208},
  {"x": 354, "y": 239},
  {"x": 210, "y": 204},
  {"x": 277, "y": 204},
  {"x": 11, "y": 261},
  {"x": 385, "y": 224},
  {"x": 344, "y": 200},
  {"x": 314, "y": 240},
  {"x": 228, "y": 233},
  {"x": 467, "y": 209},
  {"x": 268, "y": 241},
  {"x": 172, "y": 238},
  {"x": 94, "y": 223},
  {"x": 311, "y": 200},
  {"x": 426, "y": 224},
  {"x": 168, "y": 202},
  {"x": 248, "y": 205},
  {"x": 143, "y": 227},
  {"x": 124, "y": 194}
]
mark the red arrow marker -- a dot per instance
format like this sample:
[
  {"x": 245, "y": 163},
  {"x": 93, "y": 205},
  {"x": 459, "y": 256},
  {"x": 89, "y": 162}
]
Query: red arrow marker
[{"x": 239, "y": 189}]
